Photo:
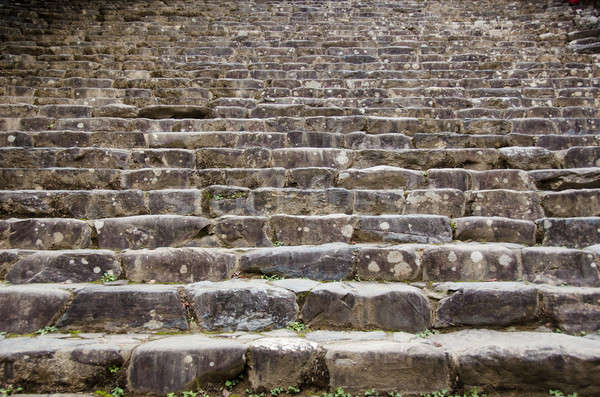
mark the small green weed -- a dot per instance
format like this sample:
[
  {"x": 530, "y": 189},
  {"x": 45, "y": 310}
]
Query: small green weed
[
  {"x": 108, "y": 277},
  {"x": 231, "y": 383},
  {"x": 277, "y": 243},
  {"x": 339, "y": 392},
  {"x": 276, "y": 391},
  {"x": 558, "y": 393},
  {"x": 218, "y": 197},
  {"x": 426, "y": 334},
  {"x": 273, "y": 277},
  {"x": 9, "y": 390},
  {"x": 46, "y": 330},
  {"x": 444, "y": 393},
  {"x": 394, "y": 394},
  {"x": 296, "y": 326},
  {"x": 371, "y": 393},
  {"x": 293, "y": 390},
  {"x": 117, "y": 392},
  {"x": 113, "y": 369}
]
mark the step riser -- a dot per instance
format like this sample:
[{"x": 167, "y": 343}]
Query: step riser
[{"x": 258, "y": 306}]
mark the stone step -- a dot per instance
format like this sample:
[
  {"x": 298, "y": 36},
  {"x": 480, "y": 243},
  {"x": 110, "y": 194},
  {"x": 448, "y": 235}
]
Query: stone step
[
  {"x": 372, "y": 178},
  {"x": 217, "y": 200},
  {"x": 153, "y": 231},
  {"x": 419, "y": 262},
  {"x": 338, "y": 261},
  {"x": 259, "y": 305},
  {"x": 354, "y": 140},
  {"x": 528, "y": 158},
  {"x": 319, "y": 360},
  {"x": 338, "y": 124}
]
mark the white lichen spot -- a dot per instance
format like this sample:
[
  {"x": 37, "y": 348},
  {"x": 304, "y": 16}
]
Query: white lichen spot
[
  {"x": 58, "y": 237},
  {"x": 183, "y": 269},
  {"x": 306, "y": 229},
  {"x": 71, "y": 261},
  {"x": 99, "y": 225},
  {"x": 373, "y": 267},
  {"x": 97, "y": 270},
  {"x": 547, "y": 224},
  {"x": 395, "y": 257},
  {"x": 341, "y": 158},
  {"x": 84, "y": 261},
  {"x": 384, "y": 226},
  {"x": 476, "y": 256},
  {"x": 452, "y": 257},
  {"x": 11, "y": 138},
  {"x": 402, "y": 269},
  {"x": 347, "y": 231},
  {"x": 79, "y": 125},
  {"x": 505, "y": 260},
  {"x": 593, "y": 265},
  {"x": 188, "y": 359},
  {"x": 211, "y": 364}
]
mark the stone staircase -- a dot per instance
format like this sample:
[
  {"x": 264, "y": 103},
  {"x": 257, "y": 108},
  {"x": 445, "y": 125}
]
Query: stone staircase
[{"x": 298, "y": 197}]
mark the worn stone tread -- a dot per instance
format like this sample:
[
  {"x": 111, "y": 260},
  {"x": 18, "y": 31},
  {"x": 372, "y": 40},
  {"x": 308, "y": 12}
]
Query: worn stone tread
[{"x": 429, "y": 364}]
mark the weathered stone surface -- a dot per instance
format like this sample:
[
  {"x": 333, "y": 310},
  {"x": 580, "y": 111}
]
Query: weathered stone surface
[
  {"x": 523, "y": 361},
  {"x": 100, "y": 204},
  {"x": 501, "y": 179},
  {"x": 312, "y": 157},
  {"x": 49, "y": 364},
  {"x": 529, "y": 158},
  {"x": 409, "y": 368},
  {"x": 119, "y": 308},
  {"x": 555, "y": 266},
  {"x": 572, "y": 203},
  {"x": 50, "y": 233},
  {"x": 181, "y": 265},
  {"x": 576, "y": 178},
  {"x": 395, "y": 263},
  {"x": 312, "y": 230},
  {"x": 192, "y": 361},
  {"x": 243, "y": 231},
  {"x": 150, "y": 231},
  {"x": 505, "y": 203},
  {"x": 404, "y": 229},
  {"x": 174, "y": 112},
  {"x": 494, "y": 229},
  {"x": 301, "y": 201},
  {"x": 364, "y": 306},
  {"x": 377, "y": 202},
  {"x": 570, "y": 232},
  {"x": 273, "y": 362},
  {"x": 470, "y": 262},
  {"x": 446, "y": 202},
  {"x": 486, "y": 304},
  {"x": 573, "y": 309},
  {"x": 581, "y": 157},
  {"x": 323, "y": 262},
  {"x": 28, "y": 308},
  {"x": 381, "y": 177},
  {"x": 241, "y": 305},
  {"x": 311, "y": 177},
  {"x": 60, "y": 266},
  {"x": 181, "y": 202},
  {"x": 449, "y": 178}
]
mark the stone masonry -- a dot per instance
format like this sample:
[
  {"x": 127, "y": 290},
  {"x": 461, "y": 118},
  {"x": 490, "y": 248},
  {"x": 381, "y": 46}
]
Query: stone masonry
[{"x": 381, "y": 196}]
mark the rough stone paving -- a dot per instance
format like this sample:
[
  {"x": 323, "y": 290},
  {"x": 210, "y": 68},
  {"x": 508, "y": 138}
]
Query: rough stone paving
[{"x": 394, "y": 196}]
